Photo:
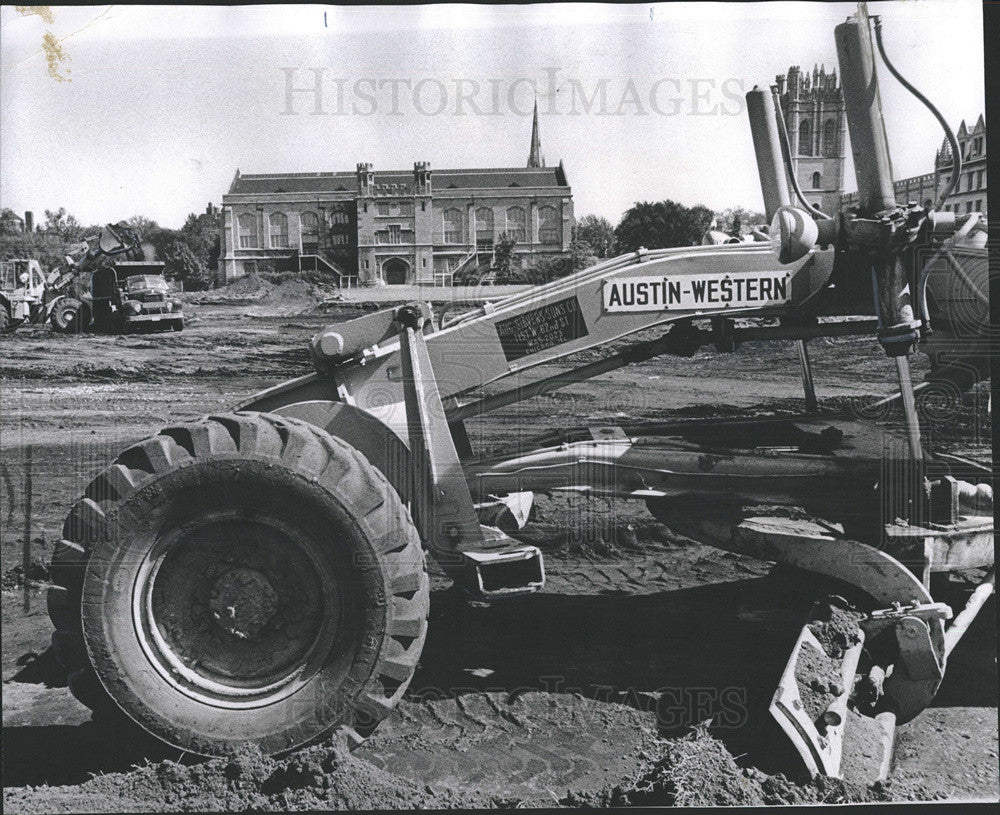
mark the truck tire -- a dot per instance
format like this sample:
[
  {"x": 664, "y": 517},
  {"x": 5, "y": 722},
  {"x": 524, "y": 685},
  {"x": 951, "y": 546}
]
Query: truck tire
[
  {"x": 4, "y": 319},
  {"x": 70, "y": 316},
  {"x": 245, "y": 578}
]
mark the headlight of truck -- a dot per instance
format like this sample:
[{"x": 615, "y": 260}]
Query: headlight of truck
[
  {"x": 133, "y": 307},
  {"x": 176, "y": 305}
]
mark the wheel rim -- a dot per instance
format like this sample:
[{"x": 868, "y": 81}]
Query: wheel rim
[
  {"x": 67, "y": 314},
  {"x": 237, "y": 611}
]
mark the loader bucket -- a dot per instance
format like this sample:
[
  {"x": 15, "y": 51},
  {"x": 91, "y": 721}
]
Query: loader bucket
[{"x": 812, "y": 705}]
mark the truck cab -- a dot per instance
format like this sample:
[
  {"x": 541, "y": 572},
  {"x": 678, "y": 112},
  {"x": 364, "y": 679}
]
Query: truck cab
[{"x": 147, "y": 300}]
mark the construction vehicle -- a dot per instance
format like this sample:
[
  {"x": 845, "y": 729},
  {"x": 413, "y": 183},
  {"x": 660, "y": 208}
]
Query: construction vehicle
[
  {"x": 71, "y": 306},
  {"x": 260, "y": 575},
  {"x": 22, "y": 293},
  {"x": 147, "y": 301}
]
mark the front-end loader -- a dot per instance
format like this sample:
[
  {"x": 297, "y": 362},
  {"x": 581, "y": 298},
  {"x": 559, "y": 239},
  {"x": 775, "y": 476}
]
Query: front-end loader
[{"x": 260, "y": 575}]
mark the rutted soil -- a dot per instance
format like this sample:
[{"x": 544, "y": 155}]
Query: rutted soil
[{"x": 636, "y": 678}]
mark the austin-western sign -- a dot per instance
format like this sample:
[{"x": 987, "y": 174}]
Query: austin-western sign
[{"x": 697, "y": 291}]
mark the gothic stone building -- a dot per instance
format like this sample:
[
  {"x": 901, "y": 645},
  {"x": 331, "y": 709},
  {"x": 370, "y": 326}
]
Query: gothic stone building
[
  {"x": 813, "y": 108},
  {"x": 396, "y": 226},
  {"x": 969, "y": 195}
]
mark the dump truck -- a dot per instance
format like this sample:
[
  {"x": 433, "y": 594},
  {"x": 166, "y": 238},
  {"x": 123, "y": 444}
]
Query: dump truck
[
  {"x": 72, "y": 307},
  {"x": 261, "y": 575},
  {"x": 147, "y": 301}
]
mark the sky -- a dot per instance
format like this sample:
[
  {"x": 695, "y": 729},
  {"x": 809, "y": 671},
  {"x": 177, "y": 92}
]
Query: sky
[{"x": 151, "y": 110}]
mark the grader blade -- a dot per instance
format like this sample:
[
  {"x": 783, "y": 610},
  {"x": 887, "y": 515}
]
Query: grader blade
[
  {"x": 824, "y": 689},
  {"x": 811, "y": 701}
]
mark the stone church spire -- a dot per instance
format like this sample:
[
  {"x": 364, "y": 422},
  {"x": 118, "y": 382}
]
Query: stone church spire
[{"x": 535, "y": 156}]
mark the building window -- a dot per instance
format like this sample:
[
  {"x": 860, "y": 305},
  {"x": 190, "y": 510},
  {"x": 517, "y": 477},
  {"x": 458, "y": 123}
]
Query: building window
[
  {"x": 805, "y": 138},
  {"x": 816, "y": 180},
  {"x": 383, "y": 207},
  {"x": 830, "y": 139},
  {"x": 309, "y": 230},
  {"x": 248, "y": 231},
  {"x": 452, "y": 226},
  {"x": 338, "y": 218},
  {"x": 484, "y": 229},
  {"x": 338, "y": 240},
  {"x": 484, "y": 224},
  {"x": 395, "y": 233},
  {"x": 278, "y": 223},
  {"x": 516, "y": 224},
  {"x": 548, "y": 225},
  {"x": 968, "y": 207}
]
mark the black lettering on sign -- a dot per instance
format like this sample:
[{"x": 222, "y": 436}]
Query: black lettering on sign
[{"x": 541, "y": 328}]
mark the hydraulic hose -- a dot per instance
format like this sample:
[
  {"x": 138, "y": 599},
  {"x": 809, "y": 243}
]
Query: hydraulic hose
[
  {"x": 956, "y": 153},
  {"x": 786, "y": 154}
]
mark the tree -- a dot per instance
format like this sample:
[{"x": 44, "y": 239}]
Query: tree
[
  {"x": 10, "y": 223},
  {"x": 547, "y": 269},
  {"x": 48, "y": 249},
  {"x": 142, "y": 226},
  {"x": 202, "y": 232},
  {"x": 583, "y": 254},
  {"x": 180, "y": 263},
  {"x": 62, "y": 224},
  {"x": 736, "y": 220},
  {"x": 503, "y": 257},
  {"x": 597, "y": 233},
  {"x": 661, "y": 225}
]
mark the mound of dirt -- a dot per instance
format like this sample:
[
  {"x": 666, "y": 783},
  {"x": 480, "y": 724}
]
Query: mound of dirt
[
  {"x": 819, "y": 673},
  {"x": 243, "y": 290},
  {"x": 324, "y": 777},
  {"x": 837, "y": 630},
  {"x": 288, "y": 299},
  {"x": 819, "y": 680},
  {"x": 693, "y": 771}
]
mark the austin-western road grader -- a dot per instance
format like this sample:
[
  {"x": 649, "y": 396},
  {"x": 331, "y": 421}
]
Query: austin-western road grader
[{"x": 260, "y": 575}]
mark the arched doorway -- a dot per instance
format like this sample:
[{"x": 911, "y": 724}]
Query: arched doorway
[{"x": 395, "y": 271}]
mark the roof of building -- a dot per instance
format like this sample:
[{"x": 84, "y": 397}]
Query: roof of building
[{"x": 488, "y": 178}]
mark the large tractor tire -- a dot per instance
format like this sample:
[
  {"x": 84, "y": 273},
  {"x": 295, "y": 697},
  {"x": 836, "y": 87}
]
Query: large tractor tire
[
  {"x": 245, "y": 578},
  {"x": 70, "y": 316}
]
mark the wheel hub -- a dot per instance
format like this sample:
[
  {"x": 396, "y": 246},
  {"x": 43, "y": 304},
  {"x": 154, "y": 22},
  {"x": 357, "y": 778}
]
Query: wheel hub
[
  {"x": 243, "y": 602},
  {"x": 237, "y": 609}
]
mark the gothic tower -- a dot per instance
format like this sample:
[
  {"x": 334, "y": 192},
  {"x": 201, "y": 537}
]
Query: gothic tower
[
  {"x": 817, "y": 132},
  {"x": 535, "y": 158}
]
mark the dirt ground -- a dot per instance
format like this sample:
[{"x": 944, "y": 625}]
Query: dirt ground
[{"x": 635, "y": 677}]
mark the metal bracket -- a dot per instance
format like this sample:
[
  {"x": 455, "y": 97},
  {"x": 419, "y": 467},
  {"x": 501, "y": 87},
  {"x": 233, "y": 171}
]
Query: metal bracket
[{"x": 477, "y": 558}]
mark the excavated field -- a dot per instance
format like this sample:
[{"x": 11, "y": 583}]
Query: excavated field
[{"x": 637, "y": 677}]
